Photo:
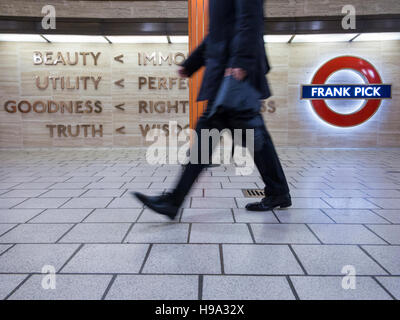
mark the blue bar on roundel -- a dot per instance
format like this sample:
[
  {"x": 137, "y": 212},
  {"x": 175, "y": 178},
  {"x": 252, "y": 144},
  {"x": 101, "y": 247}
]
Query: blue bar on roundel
[{"x": 353, "y": 91}]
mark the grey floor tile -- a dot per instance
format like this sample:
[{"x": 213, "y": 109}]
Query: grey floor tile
[
  {"x": 151, "y": 216},
  {"x": 381, "y": 185},
  {"x": 206, "y": 185},
  {"x": 246, "y": 288},
  {"x": 213, "y": 203},
  {"x": 382, "y": 193},
  {"x": 308, "y": 203},
  {"x": 63, "y": 193},
  {"x": 354, "y": 216},
  {"x": 42, "y": 203},
  {"x": 283, "y": 233},
  {"x": 35, "y": 233},
  {"x": 391, "y": 233},
  {"x": 27, "y": 258},
  {"x": 220, "y": 233},
  {"x": 302, "y": 216},
  {"x": 330, "y": 288},
  {"x": 103, "y": 193},
  {"x": 307, "y": 193},
  {"x": 207, "y": 215},
  {"x": 96, "y": 232},
  {"x": 149, "y": 192},
  {"x": 34, "y": 185},
  {"x": 81, "y": 180},
  {"x": 350, "y": 203},
  {"x": 61, "y": 216},
  {"x": 184, "y": 259},
  {"x": 27, "y": 193},
  {"x": 17, "y": 215},
  {"x": 387, "y": 256},
  {"x": 345, "y": 193},
  {"x": 69, "y": 185},
  {"x": 392, "y": 284},
  {"x": 50, "y": 179},
  {"x": 252, "y": 178},
  {"x": 346, "y": 185},
  {"x": 330, "y": 259},
  {"x": 154, "y": 287},
  {"x": 10, "y": 185},
  {"x": 107, "y": 258},
  {"x": 243, "y": 215},
  {"x": 67, "y": 287},
  {"x": 345, "y": 234},
  {"x": 259, "y": 259},
  {"x": 386, "y": 203},
  {"x": 87, "y": 203},
  {"x": 125, "y": 203},
  {"x": 158, "y": 233},
  {"x": 9, "y": 282},
  {"x": 105, "y": 185},
  {"x": 241, "y": 202},
  {"x": 311, "y": 185},
  {"x": 216, "y": 193},
  {"x": 114, "y": 215},
  {"x": 147, "y": 179},
  {"x": 8, "y": 203},
  {"x": 4, "y": 247},
  {"x": 392, "y": 215},
  {"x": 6, "y": 227},
  {"x": 238, "y": 185}
]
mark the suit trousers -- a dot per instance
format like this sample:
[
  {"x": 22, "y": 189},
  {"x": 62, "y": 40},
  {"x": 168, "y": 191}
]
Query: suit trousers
[{"x": 265, "y": 156}]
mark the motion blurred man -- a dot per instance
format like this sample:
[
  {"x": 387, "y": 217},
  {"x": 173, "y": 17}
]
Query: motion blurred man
[{"x": 233, "y": 48}]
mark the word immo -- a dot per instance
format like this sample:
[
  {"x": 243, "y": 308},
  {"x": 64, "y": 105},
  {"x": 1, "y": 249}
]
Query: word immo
[{"x": 159, "y": 59}]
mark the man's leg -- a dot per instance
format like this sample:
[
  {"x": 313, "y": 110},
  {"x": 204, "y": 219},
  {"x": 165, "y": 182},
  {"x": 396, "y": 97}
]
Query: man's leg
[
  {"x": 168, "y": 204},
  {"x": 267, "y": 162},
  {"x": 193, "y": 170}
]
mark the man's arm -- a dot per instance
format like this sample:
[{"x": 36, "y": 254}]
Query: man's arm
[
  {"x": 196, "y": 60},
  {"x": 243, "y": 53}
]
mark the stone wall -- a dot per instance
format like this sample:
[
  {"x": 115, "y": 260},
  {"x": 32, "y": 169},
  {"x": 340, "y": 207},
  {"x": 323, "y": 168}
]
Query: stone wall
[
  {"x": 110, "y": 113},
  {"x": 178, "y": 9}
]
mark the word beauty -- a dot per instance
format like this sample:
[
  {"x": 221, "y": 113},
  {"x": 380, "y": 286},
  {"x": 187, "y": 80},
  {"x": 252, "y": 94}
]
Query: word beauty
[
  {"x": 346, "y": 92},
  {"x": 373, "y": 91},
  {"x": 50, "y": 58}
]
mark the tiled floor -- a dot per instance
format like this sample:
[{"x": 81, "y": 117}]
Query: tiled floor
[{"x": 72, "y": 210}]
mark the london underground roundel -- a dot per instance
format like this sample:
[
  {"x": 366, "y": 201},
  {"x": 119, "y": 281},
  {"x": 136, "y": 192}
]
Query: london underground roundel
[{"x": 372, "y": 92}]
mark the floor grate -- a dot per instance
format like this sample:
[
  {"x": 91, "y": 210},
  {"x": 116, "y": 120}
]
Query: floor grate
[{"x": 253, "y": 193}]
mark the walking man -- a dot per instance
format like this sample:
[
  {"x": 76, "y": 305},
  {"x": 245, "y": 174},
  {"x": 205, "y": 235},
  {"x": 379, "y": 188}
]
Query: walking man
[{"x": 233, "y": 48}]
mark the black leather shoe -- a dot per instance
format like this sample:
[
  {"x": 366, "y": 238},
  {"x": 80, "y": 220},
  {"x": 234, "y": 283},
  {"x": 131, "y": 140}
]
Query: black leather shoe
[
  {"x": 270, "y": 202},
  {"x": 163, "y": 204}
]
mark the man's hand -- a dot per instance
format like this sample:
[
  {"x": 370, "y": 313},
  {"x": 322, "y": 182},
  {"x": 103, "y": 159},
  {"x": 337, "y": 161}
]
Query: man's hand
[
  {"x": 238, "y": 73},
  {"x": 182, "y": 72}
]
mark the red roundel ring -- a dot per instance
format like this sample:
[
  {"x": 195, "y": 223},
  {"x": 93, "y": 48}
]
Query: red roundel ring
[{"x": 358, "y": 117}]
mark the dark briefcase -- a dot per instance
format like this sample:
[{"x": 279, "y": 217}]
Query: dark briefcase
[{"x": 236, "y": 96}]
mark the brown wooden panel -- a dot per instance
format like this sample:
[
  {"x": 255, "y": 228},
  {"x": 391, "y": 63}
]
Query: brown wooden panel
[{"x": 198, "y": 26}]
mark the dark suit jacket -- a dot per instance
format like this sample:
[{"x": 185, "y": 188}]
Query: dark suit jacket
[{"x": 235, "y": 40}]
